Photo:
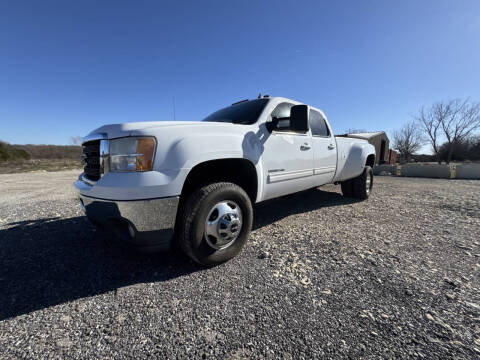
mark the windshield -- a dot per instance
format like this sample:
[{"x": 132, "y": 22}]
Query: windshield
[{"x": 245, "y": 113}]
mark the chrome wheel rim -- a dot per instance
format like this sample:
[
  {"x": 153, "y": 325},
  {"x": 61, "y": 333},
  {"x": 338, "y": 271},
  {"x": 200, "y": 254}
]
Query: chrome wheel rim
[
  {"x": 223, "y": 224},
  {"x": 369, "y": 183}
]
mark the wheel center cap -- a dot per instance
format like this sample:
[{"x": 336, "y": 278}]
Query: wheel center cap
[
  {"x": 229, "y": 225},
  {"x": 234, "y": 227}
]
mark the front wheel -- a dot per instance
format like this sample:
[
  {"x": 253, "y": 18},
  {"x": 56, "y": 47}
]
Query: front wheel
[{"x": 216, "y": 221}]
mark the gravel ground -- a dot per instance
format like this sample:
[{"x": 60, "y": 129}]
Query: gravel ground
[{"x": 322, "y": 276}]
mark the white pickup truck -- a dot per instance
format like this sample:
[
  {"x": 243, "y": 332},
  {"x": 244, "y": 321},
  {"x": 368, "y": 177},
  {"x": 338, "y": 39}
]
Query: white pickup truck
[{"x": 194, "y": 182}]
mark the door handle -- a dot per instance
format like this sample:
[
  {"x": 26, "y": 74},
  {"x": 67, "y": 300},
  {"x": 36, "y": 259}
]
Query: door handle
[
  {"x": 331, "y": 147},
  {"x": 305, "y": 147}
]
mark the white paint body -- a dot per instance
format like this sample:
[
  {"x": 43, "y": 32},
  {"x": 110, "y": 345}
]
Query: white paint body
[{"x": 282, "y": 167}]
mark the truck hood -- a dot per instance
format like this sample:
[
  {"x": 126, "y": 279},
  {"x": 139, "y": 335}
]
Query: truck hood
[
  {"x": 152, "y": 127},
  {"x": 183, "y": 144}
]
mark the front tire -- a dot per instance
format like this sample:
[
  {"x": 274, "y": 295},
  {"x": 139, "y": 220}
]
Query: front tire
[{"x": 216, "y": 222}]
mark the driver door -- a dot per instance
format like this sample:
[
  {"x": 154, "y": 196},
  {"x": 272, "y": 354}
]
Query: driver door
[{"x": 287, "y": 159}]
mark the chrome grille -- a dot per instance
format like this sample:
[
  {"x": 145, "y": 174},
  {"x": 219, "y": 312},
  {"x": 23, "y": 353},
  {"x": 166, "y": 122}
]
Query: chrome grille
[{"x": 91, "y": 160}]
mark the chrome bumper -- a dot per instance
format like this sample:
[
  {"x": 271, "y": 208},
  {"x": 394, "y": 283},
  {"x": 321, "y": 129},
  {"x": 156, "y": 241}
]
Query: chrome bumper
[{"x": 146, "y": 223}]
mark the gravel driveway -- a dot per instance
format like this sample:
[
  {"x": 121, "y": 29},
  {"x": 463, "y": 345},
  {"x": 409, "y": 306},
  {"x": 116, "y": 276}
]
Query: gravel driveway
[{"x": 322, "y": 276}]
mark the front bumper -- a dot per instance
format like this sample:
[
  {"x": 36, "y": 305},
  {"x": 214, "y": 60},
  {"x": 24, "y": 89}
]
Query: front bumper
[{"x": 147, "y": 224}]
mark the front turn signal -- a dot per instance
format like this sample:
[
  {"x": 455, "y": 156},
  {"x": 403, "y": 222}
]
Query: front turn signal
[{"x": 145, "y": 151}]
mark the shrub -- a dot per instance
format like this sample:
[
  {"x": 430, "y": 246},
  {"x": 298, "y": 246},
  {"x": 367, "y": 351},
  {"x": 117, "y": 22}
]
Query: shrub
[{"x": 10, "y": 153}]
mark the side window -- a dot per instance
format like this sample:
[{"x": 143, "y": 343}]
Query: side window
[{"x": 318, "y": 125}]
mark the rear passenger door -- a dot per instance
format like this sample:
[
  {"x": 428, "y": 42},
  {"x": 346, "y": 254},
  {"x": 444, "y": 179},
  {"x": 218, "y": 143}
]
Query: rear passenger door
[{"x": 324, "y": 149}]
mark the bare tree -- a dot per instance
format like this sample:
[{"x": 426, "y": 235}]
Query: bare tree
[
  {"x": 430, "y": 121},
  {"x": 76, "y": 140},
  {"x": 462, "y": 119},
  {"x": 408, "y": 140}
]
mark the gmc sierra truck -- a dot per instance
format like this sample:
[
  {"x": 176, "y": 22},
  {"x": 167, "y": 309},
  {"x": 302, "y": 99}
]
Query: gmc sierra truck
[{"x": 194, "y": 182}]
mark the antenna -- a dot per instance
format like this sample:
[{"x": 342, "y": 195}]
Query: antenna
[{"x": 174, "y": 107}]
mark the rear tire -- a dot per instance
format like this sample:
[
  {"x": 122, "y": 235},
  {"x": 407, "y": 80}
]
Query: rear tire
[
  {"x": 359, "y": 187},
  {"x": 347, "y": 188},
  {"x": 363, "y": 184},
  {"x": 228, "y": 210}
]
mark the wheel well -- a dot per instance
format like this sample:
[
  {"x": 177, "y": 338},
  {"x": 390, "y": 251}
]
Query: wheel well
[
  {"x": 370, "y": 160},
  {"x": 238, "y": 171}
]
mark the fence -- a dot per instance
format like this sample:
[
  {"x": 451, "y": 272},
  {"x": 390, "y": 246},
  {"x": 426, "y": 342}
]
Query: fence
[{"x": 460, "y": 171}]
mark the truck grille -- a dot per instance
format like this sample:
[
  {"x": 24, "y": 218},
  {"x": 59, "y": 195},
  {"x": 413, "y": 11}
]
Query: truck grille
[{"x": 91, "y": 159}]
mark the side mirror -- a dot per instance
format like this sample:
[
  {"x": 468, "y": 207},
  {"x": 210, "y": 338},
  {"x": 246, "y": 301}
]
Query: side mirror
[
  {"x": 297, "y": 121},
  {"x": 299, "y": 118}
]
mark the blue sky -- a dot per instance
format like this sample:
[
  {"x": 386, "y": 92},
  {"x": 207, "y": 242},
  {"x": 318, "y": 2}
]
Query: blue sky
[{"x": 67, "y": 67}]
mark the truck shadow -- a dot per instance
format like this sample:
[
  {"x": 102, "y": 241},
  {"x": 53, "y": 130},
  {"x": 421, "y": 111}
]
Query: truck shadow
[
  {"x": 50, "y": 261},
  {"x": 273, "y": 210}
]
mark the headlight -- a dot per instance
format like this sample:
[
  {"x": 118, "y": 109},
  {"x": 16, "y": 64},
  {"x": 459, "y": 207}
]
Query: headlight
[{"x": 132, "y": 154}]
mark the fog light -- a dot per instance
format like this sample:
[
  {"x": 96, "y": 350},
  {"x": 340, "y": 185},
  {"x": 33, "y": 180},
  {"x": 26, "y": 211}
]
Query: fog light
[{"x": 131, "y": 231}]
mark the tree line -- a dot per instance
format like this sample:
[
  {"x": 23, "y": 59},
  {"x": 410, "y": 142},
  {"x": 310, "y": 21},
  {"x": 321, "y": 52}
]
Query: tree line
[
  {"x": 449, "y": 127},
  {"x": 10, "y": 152}
]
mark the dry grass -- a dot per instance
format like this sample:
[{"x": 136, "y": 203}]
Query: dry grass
[{"x": 9, "y": 167}]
